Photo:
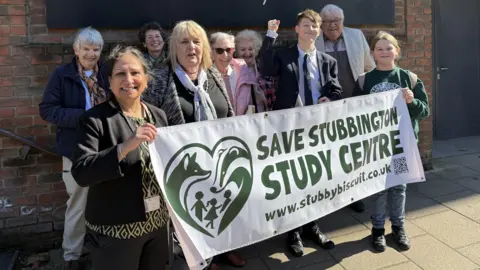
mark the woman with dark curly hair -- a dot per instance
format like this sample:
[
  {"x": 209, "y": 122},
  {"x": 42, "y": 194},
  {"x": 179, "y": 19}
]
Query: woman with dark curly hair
[{"x": 152, "y": 38}]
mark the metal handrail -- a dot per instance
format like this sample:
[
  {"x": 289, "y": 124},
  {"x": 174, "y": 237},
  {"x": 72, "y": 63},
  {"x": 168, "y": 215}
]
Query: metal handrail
[{"x": 27, "y": 143}]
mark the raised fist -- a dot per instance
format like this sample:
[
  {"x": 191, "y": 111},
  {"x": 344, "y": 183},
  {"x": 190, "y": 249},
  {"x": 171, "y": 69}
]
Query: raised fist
[{"x": 273, "y": 25}]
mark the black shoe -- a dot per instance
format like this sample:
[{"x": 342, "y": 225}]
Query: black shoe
[
  {"x": 400, "y": 237},
  {"x": 378, "y": 240},
  {"x": 295, "y": 243},
  {"x": 358, "y": 206},
  {"x": 319, "y": 238}
]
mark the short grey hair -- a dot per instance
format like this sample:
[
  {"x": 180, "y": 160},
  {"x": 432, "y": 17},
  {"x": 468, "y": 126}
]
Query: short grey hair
[
  {"x": 250, "y": 35},
  {"x": 221, "y": 36},
  {"x": 332, "y": 9},
  {"x": 88, "y": 36}
]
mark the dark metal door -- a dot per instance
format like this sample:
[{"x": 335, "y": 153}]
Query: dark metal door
[{"x": 456, "y": 68}]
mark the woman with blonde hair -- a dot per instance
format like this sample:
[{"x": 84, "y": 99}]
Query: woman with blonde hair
[
  {"x": 189, "y": 89},
  {"x": 385, "y": 77}
]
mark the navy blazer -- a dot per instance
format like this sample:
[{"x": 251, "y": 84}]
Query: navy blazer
[
  {"x": 64, "y": 101},
  {"x": 284, "y": 64}
]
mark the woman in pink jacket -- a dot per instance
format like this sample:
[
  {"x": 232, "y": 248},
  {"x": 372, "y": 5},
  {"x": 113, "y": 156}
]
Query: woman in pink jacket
[{"x": 241, "y": 83}]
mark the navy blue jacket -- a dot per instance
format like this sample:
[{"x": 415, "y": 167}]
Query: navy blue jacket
[{"x": 64, "y": 102}]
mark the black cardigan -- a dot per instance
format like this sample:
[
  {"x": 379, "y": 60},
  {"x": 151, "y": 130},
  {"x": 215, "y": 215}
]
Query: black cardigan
[{"x": 115, "y": 195}]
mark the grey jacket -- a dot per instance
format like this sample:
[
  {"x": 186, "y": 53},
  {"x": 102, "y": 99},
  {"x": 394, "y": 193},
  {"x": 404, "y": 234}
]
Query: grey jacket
[{"x": 162, "y": 93}]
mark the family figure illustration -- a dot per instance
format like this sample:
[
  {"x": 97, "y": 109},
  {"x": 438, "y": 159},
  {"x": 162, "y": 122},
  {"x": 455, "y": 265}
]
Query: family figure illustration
[{"x": 211, "y": 214}]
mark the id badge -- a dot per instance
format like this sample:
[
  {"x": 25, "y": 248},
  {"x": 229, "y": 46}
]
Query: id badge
[{"x": 152, "y": 204}]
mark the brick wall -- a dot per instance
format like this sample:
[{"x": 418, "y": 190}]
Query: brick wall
[{"x": 32, "y": 194}]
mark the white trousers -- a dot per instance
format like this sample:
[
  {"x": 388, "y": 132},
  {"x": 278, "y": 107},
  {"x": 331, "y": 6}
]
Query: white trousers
[{"x": 74, "y": 229}]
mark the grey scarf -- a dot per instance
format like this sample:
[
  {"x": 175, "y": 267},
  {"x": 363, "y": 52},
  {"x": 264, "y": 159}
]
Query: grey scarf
[{"x": 204, "y": 109}]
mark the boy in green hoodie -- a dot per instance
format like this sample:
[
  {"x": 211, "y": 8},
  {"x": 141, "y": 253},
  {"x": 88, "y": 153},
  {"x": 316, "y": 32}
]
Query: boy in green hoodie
[{"x": 388, "y": 76}]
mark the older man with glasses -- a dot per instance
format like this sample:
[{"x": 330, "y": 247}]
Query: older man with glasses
[{"x": 350, "y": 48}]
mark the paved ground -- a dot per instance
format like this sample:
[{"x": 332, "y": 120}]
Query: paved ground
[{"x": 443, "y": 221}]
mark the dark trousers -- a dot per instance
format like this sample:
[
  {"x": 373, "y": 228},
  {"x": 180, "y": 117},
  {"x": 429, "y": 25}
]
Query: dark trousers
[
  {"x": 307, "y": 227},
  {"x": 147, "y": 252}
]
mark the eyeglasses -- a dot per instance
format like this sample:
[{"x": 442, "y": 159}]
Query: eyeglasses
[
  {"x": 337, "y": 21},
  {"x": 222, "y": 50}
]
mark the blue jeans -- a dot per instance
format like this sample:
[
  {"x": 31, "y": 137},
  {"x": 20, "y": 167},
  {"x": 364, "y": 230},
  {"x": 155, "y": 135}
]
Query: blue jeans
[{"x": 396, "y": 204}]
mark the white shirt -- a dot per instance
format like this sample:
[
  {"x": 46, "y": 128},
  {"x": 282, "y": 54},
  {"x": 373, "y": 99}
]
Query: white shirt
[
  {"x": 314, "y": 75},
  {"x": 88, "y": 102},
  {"x": 313, "y": 69}
]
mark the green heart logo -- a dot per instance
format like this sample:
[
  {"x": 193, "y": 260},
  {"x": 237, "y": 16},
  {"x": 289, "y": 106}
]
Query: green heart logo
[{"x": 207, "y": 188}]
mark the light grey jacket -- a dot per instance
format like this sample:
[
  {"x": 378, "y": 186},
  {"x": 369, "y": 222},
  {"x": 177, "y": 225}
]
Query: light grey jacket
[{"x": 358, "y": 51}]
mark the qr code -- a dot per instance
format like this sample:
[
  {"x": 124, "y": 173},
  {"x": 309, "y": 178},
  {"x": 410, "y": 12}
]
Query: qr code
[{"x": 400, "y": 165}]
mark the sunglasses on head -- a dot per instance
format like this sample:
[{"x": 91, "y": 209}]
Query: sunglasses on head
[{"x": 221, "y": 50}]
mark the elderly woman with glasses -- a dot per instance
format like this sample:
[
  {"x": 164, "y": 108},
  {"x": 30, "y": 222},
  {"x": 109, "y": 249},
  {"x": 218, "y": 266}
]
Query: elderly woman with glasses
[
  {"x": 189, "y": 89},
  {"x": 241, "y": 82},
  {"x": 247, "y": 45},
  {"x": 72, "y": 89}
]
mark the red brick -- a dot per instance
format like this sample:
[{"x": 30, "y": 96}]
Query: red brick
[
  {"x": 19, "y": 60},
  {"x": 21, "y": 221},
  {"x": 15, "y": 101},
  {"x": 49, "y": 178},
  {"x": 19, "y": 181},
  {"x": 18, "y": 40},
  {"x": 39, "y": 80},
  {"x": 36, "y": 189},
  {"x": 48, "y": 159},
  {"x": 29, "y": 91},
  {"x": 31, "y": 70},
  {"x": 8, "y": 213},
  {"x": 34, "y": 170},
  {"x": 37, "y": 120},
  {"x": 18, "y": 20},
  {"x": 24, "y": 200},
  {"x": 4, "y": 50},
  {"x": 16, "y": 10},
  {"x": 56, "y": 196},
  {"x": 12, "y": 2},
  {"x": 8, "y": 172},
  {"x": 10, "y": 192},
  {"x": 38, "y": 10},
  {"x": 46, "y": 59},
  {"x": 46, "y": 39},
  {"x": 38, "y": 19},
  {"x": 35, "y": 229},
  {"x": 4, "y": 30},
  {"x": 8, "y": 152},
  {"x": 415, "y": 54},
  {"x": 32, "y": 130},
  {"x": 6, "y": 92},
  {"x": 24, "y": 50},
  {"x": 15, "y": 81},
  {"x": 38, "y": 29},
  {"x": 32, "y": 110},
  {"x": 18, "y": 30},
  {"x": 7, "y": 112},
  {"x": 15, "y": 122},
  {"x": 6, "y": 71},
  {"x": 427, "y": 10},
  {"x": 58, "y": 186},
  {"x": 37, "y": 3}
]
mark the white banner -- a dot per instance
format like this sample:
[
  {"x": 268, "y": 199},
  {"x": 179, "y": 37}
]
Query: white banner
[{"x": 237, "y": 181}]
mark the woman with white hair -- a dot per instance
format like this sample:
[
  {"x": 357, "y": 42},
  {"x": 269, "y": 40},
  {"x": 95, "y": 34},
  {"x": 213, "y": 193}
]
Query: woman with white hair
[
  {"x": 71, "y": 90},
  {"x": 240, "y": 81},
  {"x": 247, "y": 44}
]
